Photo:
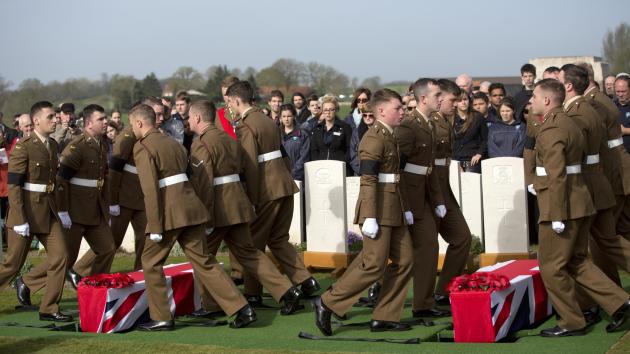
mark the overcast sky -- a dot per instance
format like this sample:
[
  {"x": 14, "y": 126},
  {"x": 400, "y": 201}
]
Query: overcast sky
[{"x": 396, "y": 40}]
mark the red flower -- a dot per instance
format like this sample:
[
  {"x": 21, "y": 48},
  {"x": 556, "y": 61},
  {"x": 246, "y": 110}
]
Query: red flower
[
  {"x": 480, "y": 281},
  {"x": 116, "y": 280}
]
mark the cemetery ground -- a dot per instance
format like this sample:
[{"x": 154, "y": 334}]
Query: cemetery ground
[{"x": 272, "y": 333}]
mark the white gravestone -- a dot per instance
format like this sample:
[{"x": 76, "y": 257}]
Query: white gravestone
[
  {"x": 128, "y": 244},
  {"x": 471, "y": 202},
  {"x": 295, "y": 232},
  {"x": 326, "y": 225},
  {"x": 505, "y": 205},
  {"x": 353, "y": 184},
  {"x": 453, "y": 179}
]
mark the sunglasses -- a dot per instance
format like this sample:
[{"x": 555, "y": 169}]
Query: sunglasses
[
  {"x": 368, "y": 115},
  {"x": 362, "y": 100},
  {"x": 411, "y": 108}
]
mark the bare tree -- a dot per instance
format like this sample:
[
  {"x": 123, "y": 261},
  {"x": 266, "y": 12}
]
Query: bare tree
[{"x": 616, "y": 48}]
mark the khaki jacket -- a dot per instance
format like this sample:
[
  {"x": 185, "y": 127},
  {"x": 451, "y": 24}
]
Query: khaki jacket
[
  {"x": 444, "y": 138},
  {"x": 124, "y": 185}
]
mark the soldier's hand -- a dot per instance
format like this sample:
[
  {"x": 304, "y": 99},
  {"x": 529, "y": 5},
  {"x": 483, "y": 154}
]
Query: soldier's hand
[
  {"x": 440, "y": 211},
  {"x": 409, "y": 217},
  {"x": 155, "y": 237},
  {"x": 66, "y": 222},
  {"x": 114, "y": 210},
  {"x": 209, "y": 230},
  {"x": 370, "y": 228},
  {"x": 557, "y": 226},
  {"x": 22, "y": 230},
  {"x": 530, "y": 188}
]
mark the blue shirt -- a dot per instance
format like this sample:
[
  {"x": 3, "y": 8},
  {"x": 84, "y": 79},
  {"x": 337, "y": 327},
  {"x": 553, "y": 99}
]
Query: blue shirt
[{"x": 624, "y": 119}]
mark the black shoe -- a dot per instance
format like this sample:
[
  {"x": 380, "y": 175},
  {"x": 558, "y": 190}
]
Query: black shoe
[
  {"x": 434, "y": 312},
  {"x": 322, "y": 316},
  {"x": 592, "y": 317},
  {"x": 291, "y": 300},
  {"x": 23, "y": 292},
  {"x": 74, "y": 278},
  {"x": 237, "y": 281},
  {"x": 619, "y": 317},
  {"x": 309, "y": 287},
  {"x": 201, "y": 313},
  {"x": 382, "y": 326},
  {"x": 57, "y": 317},
  {"x": 441, "y": 300},
  {"x": 373, "y": 292},
  {"x": 255, "y": 301},
  {"x": 557, "y": 331},
  {"x": 244, "y": 317},
  {"x": 157, "y": 326}
]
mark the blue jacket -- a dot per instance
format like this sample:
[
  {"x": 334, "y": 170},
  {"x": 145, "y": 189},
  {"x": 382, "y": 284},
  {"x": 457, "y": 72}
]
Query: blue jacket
[
  {"x": 297, "y": 145},
  {"x": 506, "y": 140}
]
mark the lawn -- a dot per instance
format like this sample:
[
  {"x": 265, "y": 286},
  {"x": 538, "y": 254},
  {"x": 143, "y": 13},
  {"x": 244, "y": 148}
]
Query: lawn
[{"x": 272, "y": 333}]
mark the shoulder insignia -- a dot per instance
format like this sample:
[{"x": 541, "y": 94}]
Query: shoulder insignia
[
  {"x": 73, "y": 147},
  {"x": 127, "y": 135},
  {"x": 18, "y": 146}
]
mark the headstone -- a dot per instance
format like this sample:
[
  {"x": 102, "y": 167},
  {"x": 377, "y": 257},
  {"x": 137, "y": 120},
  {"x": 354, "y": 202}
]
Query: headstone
[
  {"x": 326, "y": 225},
  {"x": 128, "y": 244},
  {"x": 471, "y": 202},
  {"x": 454, "y": 182},
  {"x": 85, "y": 246},
  {"x": 504, "y": 205},
  {"x": 295, "y": 232},
  {"x": 353, "y": 184}
]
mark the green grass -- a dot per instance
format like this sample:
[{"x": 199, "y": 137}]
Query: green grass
[{"x": 271, "y": 334}]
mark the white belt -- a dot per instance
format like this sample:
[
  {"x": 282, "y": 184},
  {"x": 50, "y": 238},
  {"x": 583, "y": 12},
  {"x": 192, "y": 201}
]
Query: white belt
[
  {"x": 615, "y": 142},
  {"x": 225, "y": 179},
  {"x": 269, "y": 156},
  {"x": 388, "y": 178},
  {"x": 440, "y": 162},
  {"x": 131, "y": 169},
  {"x": 167, "y": 181},
  {"x": 35, "y": 187},
  {"x": 592, "y": 159},
  {"x": 416, "y": 169},
  {"x": 571, "y": 170},
  {"x": 92, "y": 183}
]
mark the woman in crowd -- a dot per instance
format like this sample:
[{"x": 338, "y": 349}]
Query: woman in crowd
[
  {"x": 471, "y": 132},
  {"x": 506, "y": 137},
  {"x": 357, "y": 134},
  {"x": 112, "y": 132},
  {"x": 360, "y": 98},
  {"x": 296, "y": 142},
  {"x": 330, "y": 139}
]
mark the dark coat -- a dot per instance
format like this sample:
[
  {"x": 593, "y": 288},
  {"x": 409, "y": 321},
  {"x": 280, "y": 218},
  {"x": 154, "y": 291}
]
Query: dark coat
[
  {"x": 471, "y": 142},
  {"x": 333, "y": 144},
  {"x": 297, "y": 144},
  {"x": 506, "y": 140}
]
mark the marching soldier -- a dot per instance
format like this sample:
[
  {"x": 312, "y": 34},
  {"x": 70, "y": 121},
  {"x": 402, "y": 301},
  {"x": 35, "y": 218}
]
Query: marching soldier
[
  {"x": 270, "y": 189},
  {"x": 563, "y": 230},
  {"x": 383, "y": 216},
  {"x": 175, "y": 213},
  {"x": 32, "y": 171}
]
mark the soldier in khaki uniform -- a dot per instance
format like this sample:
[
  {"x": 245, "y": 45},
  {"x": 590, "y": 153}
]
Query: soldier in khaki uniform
[
  {"x": 450, "y": 222},
  {"x": 175, "y": 213},
  {"x": 270, "y": 188},
  {"x": 383, "y": 216},
  {"x": 217, "y": 160},
  {"x": 32, "y": 171},
  {"x": 563, "y": 230},
  {"x": 421, "y": 186}
]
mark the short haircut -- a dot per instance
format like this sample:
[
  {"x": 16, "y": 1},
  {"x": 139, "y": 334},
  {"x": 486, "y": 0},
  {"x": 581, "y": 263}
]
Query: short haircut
[
  {"x": 242, "y": 90},
  {"x": 289, "y": 107},
  {"x": 144, "y": 113},
  {"x": 229, "y": 81},
  {"x": 312, "y": 98},
  {"x": 90, "y": 109},
  {"x": 276, "y": 93},
  {"x": 421, "y": 87},
  {"x": 528, "y": 68},
  {"x": 298, "y": 94},
  {"x": 39, "y": 106},
  {"x": 151, "y": 101},
  {"x": 552, "y": 70},
  {"x": 555, "y": 87},
  {"x": 182, "y": 96},
  {"x": 205, "y": 109},
  {"x": 481, "y": 96},
  {"x": 496, "y": 86},
  {"x": 355, "y": 96},
  {"x": 577, "y": 76},
  {"x": 383, "y": 96},
  {"x": 450, "y": 87},
  {"x": 330, "y": 99},
  {"x": 624, "y": 78},
  {"x": 589, "y": 69}
]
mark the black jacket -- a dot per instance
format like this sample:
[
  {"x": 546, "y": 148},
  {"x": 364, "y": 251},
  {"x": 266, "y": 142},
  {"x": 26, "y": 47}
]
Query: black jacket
[
  {"x": 302, "y": 116},
  {"x": 471, "y": 142},
  {"x": 520, "y": 102},
  {"x": 333, "y": 144}
]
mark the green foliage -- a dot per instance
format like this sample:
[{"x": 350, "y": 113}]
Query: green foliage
[
  {"x": 151, "y": 86},
  {"x": 476, "y": 247},
  {"x": 26, "y": 267},
  {"x": 616, "y": 48},
  {"x": 213, "y": 85}
]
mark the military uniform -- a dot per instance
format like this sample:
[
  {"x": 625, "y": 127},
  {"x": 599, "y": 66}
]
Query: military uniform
[
  {"x": 564, "y": 196},
  {"x": 270, "y": 188},
  {"x": 380, "y": 197},
  {"x": 217, "y": 160},
  {"x": 32, "y": 171},
  {"x": 174, "y": 211},
  {"x": 125, "y": 191},
  {"x": 452, "y": 226},
  {"x": 421, "y": 187}
]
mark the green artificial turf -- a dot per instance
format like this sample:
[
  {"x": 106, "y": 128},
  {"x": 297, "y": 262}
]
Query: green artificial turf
[{"x": 272, "y": 333}]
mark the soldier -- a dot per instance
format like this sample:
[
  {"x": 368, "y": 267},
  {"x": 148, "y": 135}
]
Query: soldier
[
  {"x": 270, "y": 189},
  {"x": 217, "y": 161},
  {"x": 175, "y": 213},
  {"x": 416, "y": 141},
  {"x": 450, "y": 220},
  {"x": 32, "y": 171},
  {"x": 563, "y": 230},
  {"x": 383, "y": 216}
]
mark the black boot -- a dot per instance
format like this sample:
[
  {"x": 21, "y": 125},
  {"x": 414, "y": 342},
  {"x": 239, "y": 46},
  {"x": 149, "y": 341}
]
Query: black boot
[
  {"x": 322, "y": 316},
  {"x": 591, "y": 316},
  {"x": 244, "y": 317},
  {"x": 373, "y": 292},
  {"x": 23, "y": 292},
  {"x": 255, "y": 301},
  {"x": 291, "y": 300},
  {"x": 309, "y": 287},
  {"x": 153, "y": 326},
  {"x": 74, "y": 278},
  {"x": 619, "y": 317}
]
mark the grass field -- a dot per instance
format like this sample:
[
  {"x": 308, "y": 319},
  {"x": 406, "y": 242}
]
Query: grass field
[{"x": 272, "y": 333}]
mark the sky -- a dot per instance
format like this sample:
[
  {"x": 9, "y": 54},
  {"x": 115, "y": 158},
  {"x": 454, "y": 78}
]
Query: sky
[{"x": 396, "y": 40}]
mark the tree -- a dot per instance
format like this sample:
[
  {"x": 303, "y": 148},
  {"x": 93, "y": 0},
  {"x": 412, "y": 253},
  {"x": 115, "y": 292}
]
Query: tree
[
  {"x": 151, "y": 86},
  {"x": 216, "y": 74},
  {"x": 616, "y": 48},
  {"x": 4, "y": 91},
  {"x": 373, "y": 83},
  {"x": 252, "y": 82},
  {"x": 122, "y": 91},
  {"x": 284, "y": 73},
  {"x": 186, "y": 78},
  {"x": 323, "y": 78}
]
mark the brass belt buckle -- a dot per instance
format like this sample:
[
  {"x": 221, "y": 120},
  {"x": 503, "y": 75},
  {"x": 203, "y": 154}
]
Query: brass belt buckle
[
  {"x": 99, "y": 183},
  {"x": 429, "y": 170},
  {"x": 396, "y": 178},
  {"x": 50, "y": 188}
]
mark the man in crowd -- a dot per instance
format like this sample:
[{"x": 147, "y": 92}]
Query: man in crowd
[
  {"x": 276, "y": 98},
  {"x": 25, "y": 125},
  {"x": 521, "y": 99},
  {"x": 315, "y": 109},
  {"x": 497, "y": 94},
  {"x": 67, "y": 129},
  {"x": 173, "y": 125},
  {"x": 551, "y": 72},
  {"x": 480, "y": 103},
  {"x": 299, "y": 102},
  {"x": 465, "y": 83},
  {"x": 609, "y": 86},
  {"x": 182, "y": 105},
  {"x": 622, "y": 93}
]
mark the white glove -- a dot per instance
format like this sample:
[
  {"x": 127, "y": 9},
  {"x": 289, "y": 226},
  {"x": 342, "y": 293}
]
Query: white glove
[
  {"x": 114, "y": 210},
  {"x": 209, "y": 230},
  {"x": 557, "y": 226},
  {"x": 409, "y": 217},
  {"x": 440, "y": 211},
  {"x": 22, "y": 230},
  {"x": 155, "y": 237},
  {"x": 370, "y": 227},
  {"x": 530, "y": 188},
  {"x": 66, "y": 222}
]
